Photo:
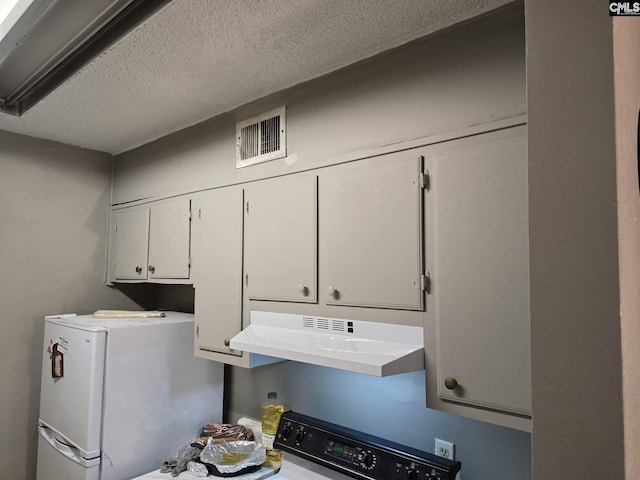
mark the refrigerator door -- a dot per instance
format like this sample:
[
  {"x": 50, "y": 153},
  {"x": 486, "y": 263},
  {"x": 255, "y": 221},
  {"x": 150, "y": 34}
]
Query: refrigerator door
[
  {"x": 71, "y": 385},
  {"x": 59, "y": 461}
]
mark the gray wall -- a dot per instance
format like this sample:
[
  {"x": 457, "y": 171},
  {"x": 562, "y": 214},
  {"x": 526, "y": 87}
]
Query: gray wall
[
  {"x": 462, "y": 78},
  {"x": 575, "y": 315},
  {"x": 390, "y": 407},
  {"x": 53, "y": 217},
  {"x": 626, "y": 38}
]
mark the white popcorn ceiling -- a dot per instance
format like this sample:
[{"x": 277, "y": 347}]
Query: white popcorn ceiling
[{"x": 196, "y": 59}]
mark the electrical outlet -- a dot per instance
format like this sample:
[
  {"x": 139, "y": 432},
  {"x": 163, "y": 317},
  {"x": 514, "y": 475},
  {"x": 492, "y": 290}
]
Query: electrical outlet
[{"x": 445, "y": 449}]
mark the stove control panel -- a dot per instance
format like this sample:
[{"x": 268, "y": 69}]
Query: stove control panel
[{"x": 358, "y": 454}]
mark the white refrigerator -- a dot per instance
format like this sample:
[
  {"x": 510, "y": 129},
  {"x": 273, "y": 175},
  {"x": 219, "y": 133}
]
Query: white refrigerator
[{"x": 120, "y": 395}]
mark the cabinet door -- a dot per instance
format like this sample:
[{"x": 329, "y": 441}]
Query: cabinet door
[
  {"x": 371, "y": 233},
  {"x": 131, "y": 229},
  {"x": 280, "y": 239},
  {"x": 481, "y": 277},
  {"x": 169, "y": 239},
  {"x": 218, "y": 291}
]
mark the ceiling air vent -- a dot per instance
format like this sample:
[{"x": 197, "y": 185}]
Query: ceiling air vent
[{"x": 261, "y": 138}]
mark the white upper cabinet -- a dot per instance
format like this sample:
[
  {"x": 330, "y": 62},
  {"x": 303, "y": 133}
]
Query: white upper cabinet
[
  {"x": 281, "y": 239},
  {"x": 131, "y": 236},
  {"x": 481, "y": 277},
  {"x": 370, "y": 225},
  {"x": 170, "y": 239},
  {"x": 152, "y": 242}
]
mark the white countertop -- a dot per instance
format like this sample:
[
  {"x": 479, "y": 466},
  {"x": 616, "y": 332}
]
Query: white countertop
[
  {"x": 157, "y": 475},
  {"x": 293, "y": 468}
]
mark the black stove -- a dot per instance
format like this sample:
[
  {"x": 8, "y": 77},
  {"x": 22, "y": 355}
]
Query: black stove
[{"x": 358, "y": 454}]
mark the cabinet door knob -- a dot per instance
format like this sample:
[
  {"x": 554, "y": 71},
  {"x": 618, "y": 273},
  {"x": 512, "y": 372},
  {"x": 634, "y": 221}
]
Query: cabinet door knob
[
  {"x": 450, "y": 383},
  {"x": 226, "y": 342},
  {"x": 302, "y": 288},
  {"x": 152, "y": 269},
  {"x": 332, "y": 292},
  {"x": 138, "y": 270}
]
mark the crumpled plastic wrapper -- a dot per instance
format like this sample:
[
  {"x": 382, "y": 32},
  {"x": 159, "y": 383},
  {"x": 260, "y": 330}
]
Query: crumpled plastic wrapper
[
  {"x": 178, "y": 462},
  {"x": 197, "y": 469},
  {"x": 231, "y": 457},
  {"x": 225, "y": 432}
]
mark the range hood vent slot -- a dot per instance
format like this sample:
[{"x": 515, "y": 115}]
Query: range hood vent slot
[
  {"x": 261, "y": 138},
  {"x": 320, "y": 323},
  {"x": 379, "y": 349}
]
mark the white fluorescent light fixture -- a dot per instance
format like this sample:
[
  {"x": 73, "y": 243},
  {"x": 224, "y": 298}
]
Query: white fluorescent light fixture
[
  {"x": 372, "y": 348},
  {"x": 44, "y": 42},
  {"x": 10, "y": 12}
]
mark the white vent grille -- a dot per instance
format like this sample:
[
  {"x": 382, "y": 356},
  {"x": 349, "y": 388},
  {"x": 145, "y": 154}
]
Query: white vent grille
[
  {"x": 261, "y": 138},
  {"x": 324, "y": 324},
  {"x": 338, "y": 326}
]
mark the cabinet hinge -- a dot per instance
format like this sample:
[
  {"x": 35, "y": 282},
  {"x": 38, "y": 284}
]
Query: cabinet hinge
[
  {"x": 425, "y": 282},
  {"x": 246, "y": 279},
  {"x": 247, "y": 207},
  {"x": 115, "y": 227},
  {"x": 198, "y": 328},
  {"x": 425, "y": 180},
  {"x": 114, "y": 266},
  {"x": 190, "y": 215},
  {"x": 199, "y": 214}
]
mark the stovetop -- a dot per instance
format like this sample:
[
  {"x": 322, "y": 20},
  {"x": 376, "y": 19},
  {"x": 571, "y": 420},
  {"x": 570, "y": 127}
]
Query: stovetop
[
  {"x": 296, "y": 468},
  {"x": 322, "y": 450}
]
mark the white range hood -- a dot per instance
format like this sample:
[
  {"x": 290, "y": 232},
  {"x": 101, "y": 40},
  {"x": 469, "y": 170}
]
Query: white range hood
[{"x": 379, "y": 349}]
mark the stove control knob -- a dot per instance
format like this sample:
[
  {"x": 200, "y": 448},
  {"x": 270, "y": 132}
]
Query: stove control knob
[
  {"x": 367, "y": 460},
  {"x": 286, "y": 431},
  {"x": 412, "y": 474},
  {"x": 299, "y": 436}
]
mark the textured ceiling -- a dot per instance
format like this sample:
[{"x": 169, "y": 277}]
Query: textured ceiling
[{"x": 196, "y": 59}]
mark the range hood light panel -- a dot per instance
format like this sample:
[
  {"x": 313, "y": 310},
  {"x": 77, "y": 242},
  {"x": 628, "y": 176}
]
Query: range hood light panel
[{"x": 372, "y": 348}]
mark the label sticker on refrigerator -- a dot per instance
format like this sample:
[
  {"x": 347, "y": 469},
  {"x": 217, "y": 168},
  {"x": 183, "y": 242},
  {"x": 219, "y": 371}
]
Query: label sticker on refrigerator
[{"x": 63, "y": 344}]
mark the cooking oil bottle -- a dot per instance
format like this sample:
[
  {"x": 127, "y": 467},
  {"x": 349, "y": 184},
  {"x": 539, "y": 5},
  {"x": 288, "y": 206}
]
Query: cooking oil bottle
[{"x": 271, "y": 412}]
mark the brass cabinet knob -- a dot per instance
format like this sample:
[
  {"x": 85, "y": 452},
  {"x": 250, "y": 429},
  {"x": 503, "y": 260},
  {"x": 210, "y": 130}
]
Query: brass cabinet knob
[
  {"x": 303, "y": 289},
  {"x": 152, "y": 269},
  {"x": 226, "y": 342},
  {"x": 138, "y": 270},
  {"x": 450, "y": 383},
  {"x": 333, "y": 292}
]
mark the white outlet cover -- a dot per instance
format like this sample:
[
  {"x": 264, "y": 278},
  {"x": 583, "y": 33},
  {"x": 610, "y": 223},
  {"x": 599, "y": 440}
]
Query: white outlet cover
[{"x": 445, "y": 449}]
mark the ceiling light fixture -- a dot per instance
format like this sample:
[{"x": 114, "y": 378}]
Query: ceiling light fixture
[
  {"x": 10, "y": 12},
  {"x": 44, "y": 42}
]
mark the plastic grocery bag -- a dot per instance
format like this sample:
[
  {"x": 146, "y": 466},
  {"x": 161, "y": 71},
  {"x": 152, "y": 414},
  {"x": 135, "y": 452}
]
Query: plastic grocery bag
[{"x": 231, "y": 457}]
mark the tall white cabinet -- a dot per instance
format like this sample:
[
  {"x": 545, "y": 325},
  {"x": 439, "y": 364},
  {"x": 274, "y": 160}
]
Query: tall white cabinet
[
  {"x": 479, "y": 342},
  {"x": 218, "y": 228}
]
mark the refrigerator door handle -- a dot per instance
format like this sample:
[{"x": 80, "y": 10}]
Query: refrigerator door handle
[{"x": 68, "y": 451}]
